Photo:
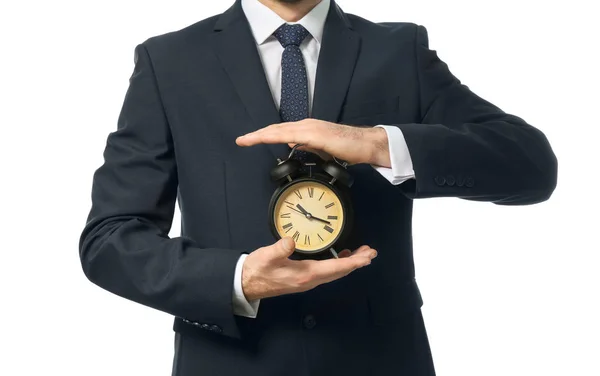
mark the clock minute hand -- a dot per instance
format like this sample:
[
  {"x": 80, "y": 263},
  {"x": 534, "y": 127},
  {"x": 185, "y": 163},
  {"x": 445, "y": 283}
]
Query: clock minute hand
[
  {"x": 310, "y": 216},
  {"x": 320, "y": 220}
]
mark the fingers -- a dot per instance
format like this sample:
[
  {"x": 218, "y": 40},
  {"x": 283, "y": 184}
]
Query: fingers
[
  {"x": 308, "y": 132},
  {"x": 332, "y": 269},
  {"x": 365, "y": 250},
  {"x": 283, "y": 133}
]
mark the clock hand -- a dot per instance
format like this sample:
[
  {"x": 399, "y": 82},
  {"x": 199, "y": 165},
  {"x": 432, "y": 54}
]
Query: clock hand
[
  {"x": 310, "y": 216},
  {"x": 320, "y": 220},
  {"x": 296, "y": 210},
  {"x": 302, "y": 210}
]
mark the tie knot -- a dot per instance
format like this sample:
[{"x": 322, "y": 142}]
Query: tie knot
[{"x": 290, "y": 35}]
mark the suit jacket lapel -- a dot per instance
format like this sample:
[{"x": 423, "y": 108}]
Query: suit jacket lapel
[
  {"x": 337, "y": 59},
  {"x": 236, "y": 49}
]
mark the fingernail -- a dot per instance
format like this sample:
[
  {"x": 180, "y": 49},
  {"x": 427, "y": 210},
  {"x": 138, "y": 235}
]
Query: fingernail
[{"x": 373, "y": 254}]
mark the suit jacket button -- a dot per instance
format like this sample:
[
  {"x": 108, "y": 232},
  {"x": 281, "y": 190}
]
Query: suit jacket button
[
  {"x": 470, "y": 182},
  {"x": 216, "y": 329},
  {"x": 309, "y": 322},
  {"x": 439, "y": 180},
  {"x": 450, "y": 180}
]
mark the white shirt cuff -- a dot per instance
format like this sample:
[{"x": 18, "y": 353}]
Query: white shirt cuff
[
  {"x": 402, "y": 166},
  {"x": 241, "y": 305}
]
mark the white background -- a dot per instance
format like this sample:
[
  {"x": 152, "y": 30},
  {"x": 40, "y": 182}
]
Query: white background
[{"x": 507, "y": 290}]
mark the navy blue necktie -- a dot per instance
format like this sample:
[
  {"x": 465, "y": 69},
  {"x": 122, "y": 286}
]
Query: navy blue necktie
[{"x": 294, "y": 82}]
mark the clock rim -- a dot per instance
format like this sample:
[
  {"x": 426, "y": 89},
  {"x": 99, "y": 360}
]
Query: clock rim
[{"x": 343, "y": 196}]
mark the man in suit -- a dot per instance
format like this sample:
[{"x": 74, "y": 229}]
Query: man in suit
[{"x": 210, "y": 108}]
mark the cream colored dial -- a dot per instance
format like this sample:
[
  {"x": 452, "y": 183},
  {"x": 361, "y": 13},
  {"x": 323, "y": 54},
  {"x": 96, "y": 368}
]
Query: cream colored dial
[{"x": 310, "y": 213}]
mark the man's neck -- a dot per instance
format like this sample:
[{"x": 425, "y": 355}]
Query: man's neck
[{"x": 291, "y": 12}]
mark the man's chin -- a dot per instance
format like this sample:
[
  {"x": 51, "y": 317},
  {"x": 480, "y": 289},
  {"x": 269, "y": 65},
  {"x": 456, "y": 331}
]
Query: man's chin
[{"x": 290, "y": 1}]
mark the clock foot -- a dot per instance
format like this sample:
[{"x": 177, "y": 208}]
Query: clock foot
[{"x": 333, "y": 252}]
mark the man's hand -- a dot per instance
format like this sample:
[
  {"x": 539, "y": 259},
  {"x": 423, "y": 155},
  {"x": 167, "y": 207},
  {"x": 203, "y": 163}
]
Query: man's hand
[
  {"x": 349, "y": 143},
  {"x": 269, "y": 272}
]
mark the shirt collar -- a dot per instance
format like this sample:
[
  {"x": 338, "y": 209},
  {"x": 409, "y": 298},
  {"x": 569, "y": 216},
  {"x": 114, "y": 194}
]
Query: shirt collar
[{"x": 263, "y": 21}]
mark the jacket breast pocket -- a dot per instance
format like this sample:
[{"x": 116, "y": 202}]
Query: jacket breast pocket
[{"x": 367, "y": 109}]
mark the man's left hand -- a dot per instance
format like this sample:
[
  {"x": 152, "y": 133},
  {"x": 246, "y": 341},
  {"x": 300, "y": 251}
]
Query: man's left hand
[{"x": 349, "y": 143}]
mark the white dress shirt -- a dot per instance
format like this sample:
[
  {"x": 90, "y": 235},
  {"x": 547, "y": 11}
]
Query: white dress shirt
[{"x": 263, "y": 23}]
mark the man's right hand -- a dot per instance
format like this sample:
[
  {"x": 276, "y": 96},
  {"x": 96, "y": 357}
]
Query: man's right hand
[{"x": 269, "y": 272}]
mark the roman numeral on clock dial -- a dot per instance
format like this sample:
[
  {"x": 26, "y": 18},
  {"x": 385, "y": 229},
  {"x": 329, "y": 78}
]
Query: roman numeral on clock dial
[{"x": 310, "y": 213}]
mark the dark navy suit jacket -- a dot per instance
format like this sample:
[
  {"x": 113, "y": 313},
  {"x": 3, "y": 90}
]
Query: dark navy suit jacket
[{"x": 191, "y": 94}]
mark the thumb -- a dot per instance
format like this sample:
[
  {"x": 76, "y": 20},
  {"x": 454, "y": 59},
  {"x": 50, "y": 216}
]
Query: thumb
[{"x": 283, "y": 248}]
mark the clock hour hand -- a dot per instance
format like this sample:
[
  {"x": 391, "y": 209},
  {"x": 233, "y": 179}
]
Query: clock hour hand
[
  {"x": 303, "y": 210},
  {"x": 296, "y": 210}
]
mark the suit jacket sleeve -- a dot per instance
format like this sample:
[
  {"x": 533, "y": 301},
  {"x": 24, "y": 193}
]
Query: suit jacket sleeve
[
  {"x": 125, "y": 247},
  {"x": 466, "y": 147}
]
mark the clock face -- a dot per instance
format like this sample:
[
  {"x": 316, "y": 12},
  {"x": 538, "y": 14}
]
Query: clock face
[{"x": 311, "y": 213}]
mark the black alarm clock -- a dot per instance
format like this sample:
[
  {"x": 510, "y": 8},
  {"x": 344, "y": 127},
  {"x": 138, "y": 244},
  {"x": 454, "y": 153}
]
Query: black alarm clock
[{"x": 312, "y": 204}]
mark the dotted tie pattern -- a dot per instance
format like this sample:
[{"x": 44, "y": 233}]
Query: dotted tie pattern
[{"x": 294, "y": 82}]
